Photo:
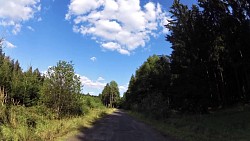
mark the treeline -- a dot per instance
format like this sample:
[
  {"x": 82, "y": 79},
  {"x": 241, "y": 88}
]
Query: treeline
[
  {"x": 110, "y": 95},
  {"x": 209, "y": 66},
  {"x": 148, "y": 90},
  {"x": 20, "y": 87},
  {"x": 59, "y": 89}
]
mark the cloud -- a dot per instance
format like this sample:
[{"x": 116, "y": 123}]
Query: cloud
[
  {"x": 9, "y": 45},
  {"x": 94, "y": 87},
  {"x": 14, "y": 12},
  {"x": 123, "y": 89},
  {"x": 93, "y": 59},
  {"x": 86, "y": 82},
  {"x": 117, "y": 25},
  {"x": 111, "y": 46},
  {"x": 16, "y": 29},
  {"x": 115, "y": 47},
  {"x": 45, "y": 72},
  {"x": 100, "y": 79},
  {"x": 31, "y": 28}
]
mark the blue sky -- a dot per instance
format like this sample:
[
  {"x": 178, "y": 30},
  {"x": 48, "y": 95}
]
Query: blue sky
[{"x": 106, "y": 39}]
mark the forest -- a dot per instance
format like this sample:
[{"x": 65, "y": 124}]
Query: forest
[
  {"x": 209, "y": 66},
  {"x": 207, "y": 71}
]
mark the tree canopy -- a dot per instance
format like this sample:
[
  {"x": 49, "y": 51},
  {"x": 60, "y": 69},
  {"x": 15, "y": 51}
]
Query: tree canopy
[
  {"x": 110, "y": 94},
  {"x": 209, "y": 65},
  {"x": 61, "y": 88},
  {"x": 148, "y": 88},
  {"x": 21, "y": 86}
]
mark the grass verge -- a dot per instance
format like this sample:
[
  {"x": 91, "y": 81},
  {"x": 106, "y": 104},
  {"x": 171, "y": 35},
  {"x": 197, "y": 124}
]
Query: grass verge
[
  {"x": 71, "y": 126},
  {"x": 225, "y": 125},
  {"x": 38, "y": 123}
]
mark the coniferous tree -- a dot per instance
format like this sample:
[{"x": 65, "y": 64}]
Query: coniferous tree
[{"x": 208, "y": 53}]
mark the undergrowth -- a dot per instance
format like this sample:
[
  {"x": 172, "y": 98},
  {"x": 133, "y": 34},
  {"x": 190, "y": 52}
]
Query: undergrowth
[
  {"x": 224, "y": 125},
  {"x": 39, "y": 123}
]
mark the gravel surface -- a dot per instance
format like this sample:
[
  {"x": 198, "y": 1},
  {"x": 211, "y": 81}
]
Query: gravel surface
[{"x": 118, "y": 126}]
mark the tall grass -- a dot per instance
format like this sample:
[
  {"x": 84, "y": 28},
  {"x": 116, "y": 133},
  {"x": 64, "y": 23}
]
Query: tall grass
[
  {"x": 226, "y": 125},
  {"x": 22, "y": 122},
  {"x": 19, "y": 123},
  {"x": 29, "y": 124}
]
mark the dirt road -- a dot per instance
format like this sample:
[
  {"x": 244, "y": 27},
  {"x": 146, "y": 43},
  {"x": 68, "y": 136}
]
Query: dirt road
[{"x": 119, "y": 127}]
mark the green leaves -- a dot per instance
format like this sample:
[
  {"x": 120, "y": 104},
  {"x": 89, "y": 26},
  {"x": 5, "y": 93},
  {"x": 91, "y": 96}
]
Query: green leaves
[
  {"x": 61, "y": 88},
  {"x": 22, "y": 87},
  {"x": 209, "y": 65},
  {"x": 110, "y": 95},
  {"x": 207, "y": 44},
  {"x": 148, "y": 89}
]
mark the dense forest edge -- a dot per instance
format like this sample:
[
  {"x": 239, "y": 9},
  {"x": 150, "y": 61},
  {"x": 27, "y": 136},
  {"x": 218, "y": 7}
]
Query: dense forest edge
[
  {"x": 209, "y": 65},
  {"x": 206, "y": 78},
  {"x": 199, "y": 92}
]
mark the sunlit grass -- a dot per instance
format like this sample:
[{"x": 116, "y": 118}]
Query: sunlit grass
[
  {"x": 228, "y": 125},
  {"x": 38, "y": 123},
  {"x": 71, "y": 126}
]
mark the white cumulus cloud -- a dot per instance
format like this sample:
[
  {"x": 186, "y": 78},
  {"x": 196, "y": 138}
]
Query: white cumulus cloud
[
  {"x": 123, "y": 88},
  {"x": 86, "y": 82},
  {"x": 113, "y": 46},
  {"x": 117, "y": 25},
  {"x": 14, "y": 12},
  {"x": 100, "y": 79},
  {"x": 95, "y": 87},
  {"x": 9, "y": 44},
  {"x": 93, "y": 59}
]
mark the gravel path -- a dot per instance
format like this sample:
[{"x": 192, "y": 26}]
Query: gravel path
[{"x": 119, "y": 127}]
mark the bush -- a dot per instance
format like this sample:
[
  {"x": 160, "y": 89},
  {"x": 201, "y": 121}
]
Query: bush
[
  {"x": 89, "y": 102},
  {"x": 20, "y": 122}
]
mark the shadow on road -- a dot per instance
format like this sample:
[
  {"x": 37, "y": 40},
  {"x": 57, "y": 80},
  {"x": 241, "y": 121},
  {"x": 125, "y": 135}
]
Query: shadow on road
[
  {"x": 118, "y": 126},
  {"x": 101, "y": 131}
]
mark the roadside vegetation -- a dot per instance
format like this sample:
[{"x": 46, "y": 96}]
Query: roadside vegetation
[
  {"x": 232, "y": 124},
  {"x": 36, "y": 106},
  {"x": 195, "y": 93},
  {"x": 39, "y": 123},
  {"x": 208, "y": 69}
]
